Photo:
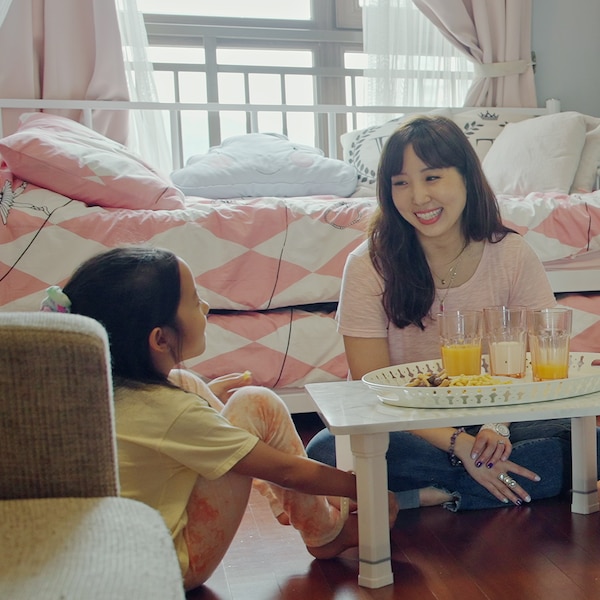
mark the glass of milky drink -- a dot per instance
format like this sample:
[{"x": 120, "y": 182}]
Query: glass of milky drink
[
  {"x": 549, "y": 331},
  {"x": 460, "y": 341},
  {"x": 505, "y": 329}
]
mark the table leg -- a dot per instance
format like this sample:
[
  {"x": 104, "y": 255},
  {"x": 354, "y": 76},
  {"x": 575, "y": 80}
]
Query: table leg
[
  {"x": 375, "y": 567},
  {"x": 583, "y": 450}
]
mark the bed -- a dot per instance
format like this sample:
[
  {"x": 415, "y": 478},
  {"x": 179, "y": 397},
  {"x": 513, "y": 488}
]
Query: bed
[{"x": 269, "y": 257}]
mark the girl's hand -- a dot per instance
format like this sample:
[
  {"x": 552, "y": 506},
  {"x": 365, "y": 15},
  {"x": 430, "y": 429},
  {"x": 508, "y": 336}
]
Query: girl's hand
[
  {"x": 490, "y": 448},
  {"x": 222, "y": 387},
  {"x": 393, "y": 508}
]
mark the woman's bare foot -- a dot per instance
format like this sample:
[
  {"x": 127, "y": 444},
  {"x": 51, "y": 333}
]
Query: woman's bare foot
[
  {"x": 432, "y": 496},
  {"x": 347, "y": 538}
]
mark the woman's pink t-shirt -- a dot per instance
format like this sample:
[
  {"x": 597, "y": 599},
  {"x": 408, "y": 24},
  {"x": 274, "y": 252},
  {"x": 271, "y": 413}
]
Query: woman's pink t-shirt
[{"x": 509, "y": 274}]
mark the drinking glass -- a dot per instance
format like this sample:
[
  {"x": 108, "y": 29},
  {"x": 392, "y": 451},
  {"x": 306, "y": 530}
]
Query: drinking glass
[
  {"x": 506, "y": 333},
  {"x": 549, "y": 338},
  {"x": 460, "y": 341}
]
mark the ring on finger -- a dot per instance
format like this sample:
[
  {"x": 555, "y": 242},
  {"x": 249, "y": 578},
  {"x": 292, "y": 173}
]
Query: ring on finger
[
  {"x": 500, "y": 442},
  {"x": 506, "y": 479}
]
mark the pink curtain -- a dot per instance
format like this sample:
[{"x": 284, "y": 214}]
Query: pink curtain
[
  {"x": 64, "y": 49},
  {"x": 496, "y": 35}
]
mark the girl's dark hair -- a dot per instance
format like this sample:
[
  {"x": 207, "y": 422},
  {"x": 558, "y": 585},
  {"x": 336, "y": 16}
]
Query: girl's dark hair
[
  {"x": 409, "y": 288},
  {"x": 130, "y": 291}
]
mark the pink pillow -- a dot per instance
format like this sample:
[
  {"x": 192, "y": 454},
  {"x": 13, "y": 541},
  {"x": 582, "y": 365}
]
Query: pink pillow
[{"x": 68, "y": 158}]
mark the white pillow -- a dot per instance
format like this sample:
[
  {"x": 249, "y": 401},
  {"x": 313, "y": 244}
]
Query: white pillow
[
  {"x": 536, "y": 155},
  {"x": 483, "y": 125},
  {"x": 585, "y": 176},
  {"x": 264, "y": 164}
]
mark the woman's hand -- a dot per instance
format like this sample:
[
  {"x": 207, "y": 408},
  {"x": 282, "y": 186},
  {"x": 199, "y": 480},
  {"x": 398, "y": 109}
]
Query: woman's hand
[
  {"x": 222, "y": 387},
  {"x": 490, "y": 448},
  {"x": 495, "y": 476}
]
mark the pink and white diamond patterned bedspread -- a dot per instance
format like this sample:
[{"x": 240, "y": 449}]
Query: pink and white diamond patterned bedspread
[{"x": 269, "y": 267}]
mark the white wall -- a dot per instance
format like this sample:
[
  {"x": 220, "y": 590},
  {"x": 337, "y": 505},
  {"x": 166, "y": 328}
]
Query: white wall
[{"x": 566, "y": 40}]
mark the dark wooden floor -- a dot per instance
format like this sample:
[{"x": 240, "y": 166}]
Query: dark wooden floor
[{"x": 536, "y": 552}]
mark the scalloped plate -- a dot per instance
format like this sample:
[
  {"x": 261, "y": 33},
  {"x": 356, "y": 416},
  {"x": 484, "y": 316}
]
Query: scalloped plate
[{"x": 389, "y": 384}]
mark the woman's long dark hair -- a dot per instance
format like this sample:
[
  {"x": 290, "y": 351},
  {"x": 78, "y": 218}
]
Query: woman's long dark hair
[
  {"x": 409, "y": 288},
  {"x": 130, "y": 291}
]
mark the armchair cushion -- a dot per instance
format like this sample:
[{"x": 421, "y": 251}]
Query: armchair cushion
[{"x": 57, "y": 429}]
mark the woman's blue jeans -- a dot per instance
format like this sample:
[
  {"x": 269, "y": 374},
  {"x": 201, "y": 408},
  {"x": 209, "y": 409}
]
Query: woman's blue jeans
[{"x": 544, "y": 447}]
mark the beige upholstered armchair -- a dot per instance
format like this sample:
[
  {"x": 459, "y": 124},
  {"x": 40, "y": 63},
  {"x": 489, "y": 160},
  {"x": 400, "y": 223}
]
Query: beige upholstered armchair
[{"x": 64, "y": 530}]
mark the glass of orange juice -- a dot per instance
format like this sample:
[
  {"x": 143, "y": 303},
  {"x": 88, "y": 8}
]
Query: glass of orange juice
[
  {"x": 549, "y": 332},
  {"x": 460, "y": 341}
]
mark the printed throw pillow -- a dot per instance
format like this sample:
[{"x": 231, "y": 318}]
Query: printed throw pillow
[
  {"x": 536, "y": 155},
  {"x": 362, "y": 149},
  {"x": 483, "y": 125},
  {"x": 68, "y": 158}
]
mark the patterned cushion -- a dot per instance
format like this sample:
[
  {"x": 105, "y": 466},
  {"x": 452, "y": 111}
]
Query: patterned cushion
[
  {"x": 68, "y": 158},
  {"x": 482, "y": 126}
]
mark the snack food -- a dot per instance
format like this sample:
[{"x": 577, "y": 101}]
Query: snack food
[{"x": 441, "y": 379}]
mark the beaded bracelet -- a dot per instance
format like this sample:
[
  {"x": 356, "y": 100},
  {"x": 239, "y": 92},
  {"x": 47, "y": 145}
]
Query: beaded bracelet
[{"x": 454, "y": 460}]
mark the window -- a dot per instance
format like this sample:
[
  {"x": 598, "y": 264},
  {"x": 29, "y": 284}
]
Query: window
[
  {"x": 297, "y": 53},
  {"x": 290, "y": 52}
]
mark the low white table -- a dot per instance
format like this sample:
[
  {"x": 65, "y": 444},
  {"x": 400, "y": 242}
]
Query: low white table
[{"x": 351, "y": 408}]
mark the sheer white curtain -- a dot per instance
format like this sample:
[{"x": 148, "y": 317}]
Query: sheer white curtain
[
  {"x": 4, "y": 6},
  {"x": 496, "y": 36},
  {"x": 410, "y": 63},
  {"x": 147, "y": 133}
]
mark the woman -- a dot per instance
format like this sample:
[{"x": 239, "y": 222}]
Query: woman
[{"x": 437, "y": 243}]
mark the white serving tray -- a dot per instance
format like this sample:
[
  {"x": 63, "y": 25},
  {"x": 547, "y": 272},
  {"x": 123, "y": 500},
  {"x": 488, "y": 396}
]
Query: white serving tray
[{"x": 389, "y": 384}]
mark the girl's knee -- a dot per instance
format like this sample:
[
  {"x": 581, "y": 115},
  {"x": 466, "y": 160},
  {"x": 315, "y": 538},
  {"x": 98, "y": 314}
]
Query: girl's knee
[
  {"x": 255, "y": 404},
  {"x": 257, "y": 396}
]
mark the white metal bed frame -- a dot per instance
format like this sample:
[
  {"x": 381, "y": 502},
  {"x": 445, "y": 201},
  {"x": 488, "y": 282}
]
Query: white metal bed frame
[{"x": 328, "y": 126}]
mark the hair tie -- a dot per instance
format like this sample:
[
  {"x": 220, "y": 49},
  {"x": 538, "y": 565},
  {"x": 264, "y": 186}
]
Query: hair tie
[{"x": 56, "y": 301}]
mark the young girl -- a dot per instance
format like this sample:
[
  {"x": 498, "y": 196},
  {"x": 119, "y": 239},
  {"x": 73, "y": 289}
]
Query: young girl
[
  {"x": 183, "y": 450},
  {"x": 437, "y": 243}
]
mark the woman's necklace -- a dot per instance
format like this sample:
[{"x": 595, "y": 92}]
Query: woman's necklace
[{"x": 452, "y": 271}]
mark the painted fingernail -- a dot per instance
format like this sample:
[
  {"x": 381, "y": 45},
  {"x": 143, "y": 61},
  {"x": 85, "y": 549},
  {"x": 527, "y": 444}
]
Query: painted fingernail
[
  {"x": 474, "y": 455},
  {"x": 505, "y": 500},
  {"x": 527, "y": 498},
  {"x": 490, "y": 465},
  {"x": 537, "y": 478},
  {"x": 478, "y": 464},
  {"x": 518, "y": 502}
]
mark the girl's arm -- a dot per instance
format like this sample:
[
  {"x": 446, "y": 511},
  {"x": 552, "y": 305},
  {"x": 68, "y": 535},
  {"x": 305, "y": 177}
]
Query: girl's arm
[
  {"x": 296, "y": 472},
  {"x": 303, "y": 475}
]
